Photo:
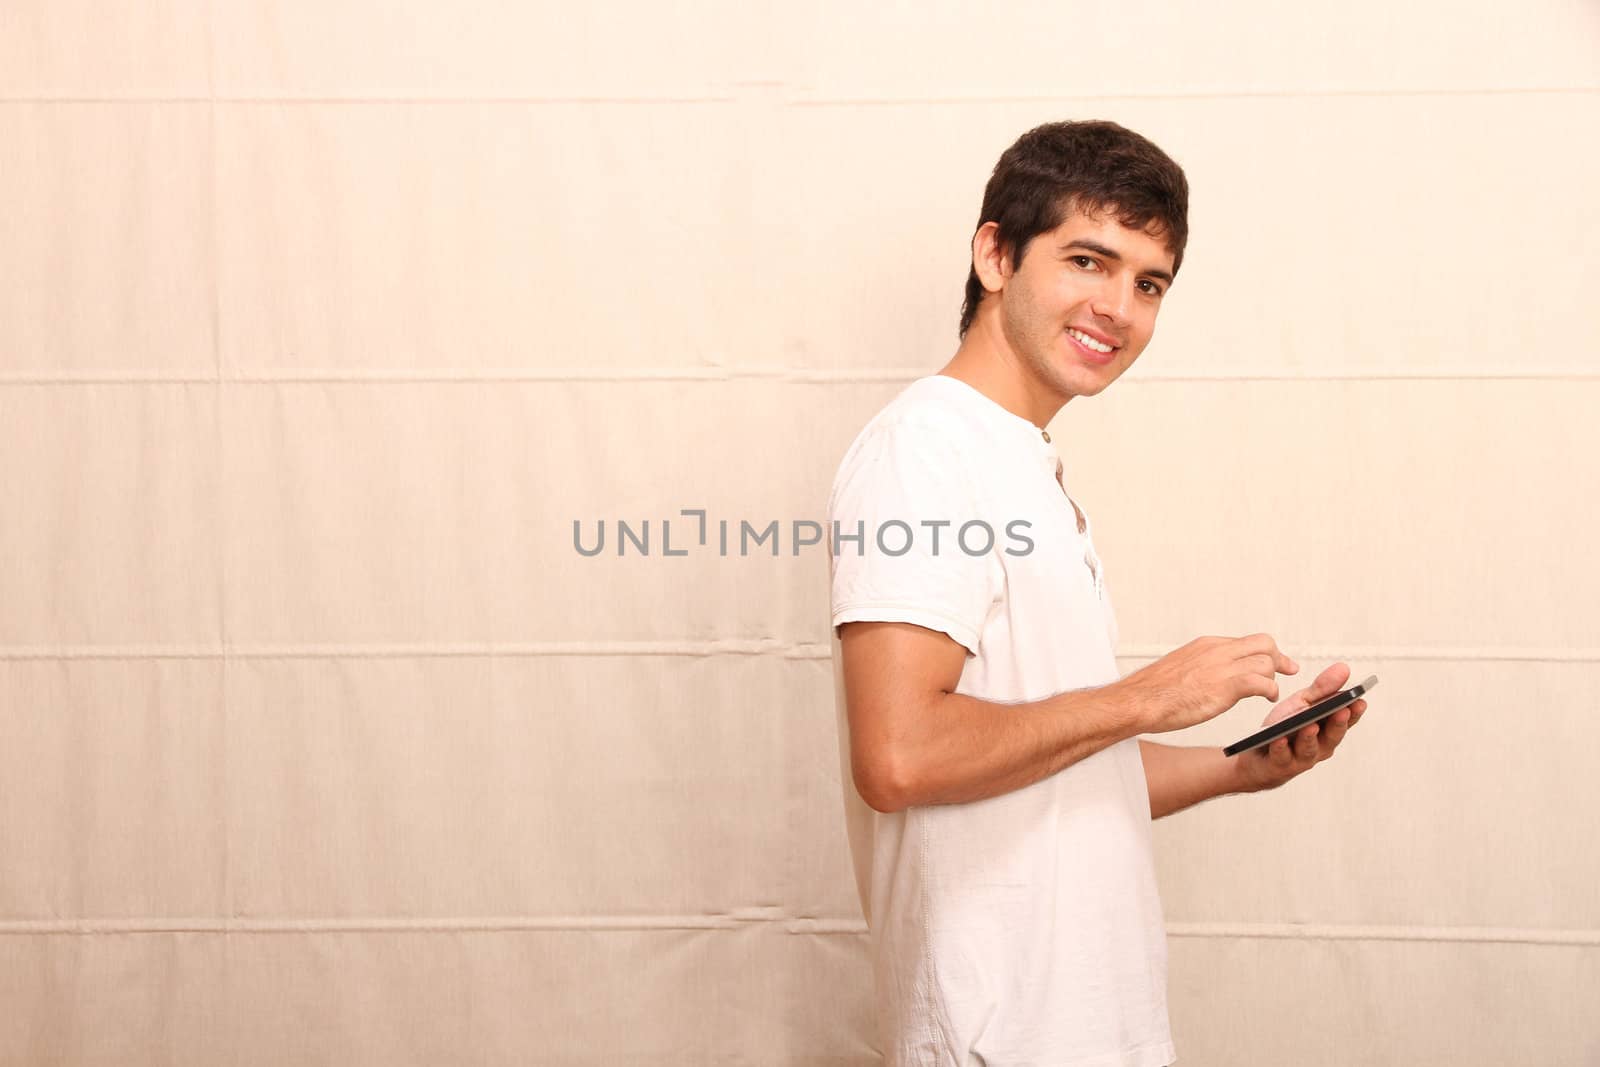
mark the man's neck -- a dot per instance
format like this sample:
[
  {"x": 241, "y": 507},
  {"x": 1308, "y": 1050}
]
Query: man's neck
[{"x": 993, "y": 370}]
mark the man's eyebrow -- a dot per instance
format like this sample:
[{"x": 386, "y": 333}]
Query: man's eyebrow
[{"x": 1110, "y": 253}]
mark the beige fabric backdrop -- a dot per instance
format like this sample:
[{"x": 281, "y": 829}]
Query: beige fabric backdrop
[{"x": 320, "y": 324}]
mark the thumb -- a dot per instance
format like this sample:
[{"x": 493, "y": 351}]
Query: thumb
[{"x": 1329, "y": 682}]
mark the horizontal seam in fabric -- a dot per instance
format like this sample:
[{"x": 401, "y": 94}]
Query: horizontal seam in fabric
[
  {"x": 801, "y": 926},
  {"x": 804, "y": 650}
]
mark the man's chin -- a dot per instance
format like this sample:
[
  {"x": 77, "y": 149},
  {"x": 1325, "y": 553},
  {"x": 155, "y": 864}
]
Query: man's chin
[{"x": 1088, "y": 384}]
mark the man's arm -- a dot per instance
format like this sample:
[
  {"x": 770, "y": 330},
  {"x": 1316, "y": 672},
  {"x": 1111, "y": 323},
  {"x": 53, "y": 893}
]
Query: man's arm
[
  {"x": 915, "y": 741},
  {"x": 1179, "y": 778}
]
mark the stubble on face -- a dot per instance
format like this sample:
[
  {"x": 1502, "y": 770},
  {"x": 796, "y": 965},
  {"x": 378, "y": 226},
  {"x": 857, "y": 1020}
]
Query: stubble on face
[
  {"x": 1030, "y": 334},
  {"x": 1044, "y": 296}
]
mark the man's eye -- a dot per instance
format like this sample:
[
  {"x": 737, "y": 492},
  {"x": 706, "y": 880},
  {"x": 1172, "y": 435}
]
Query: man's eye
[
  {"x": 1150, "y": 287},
  {"x": 1082, "y": 261}
]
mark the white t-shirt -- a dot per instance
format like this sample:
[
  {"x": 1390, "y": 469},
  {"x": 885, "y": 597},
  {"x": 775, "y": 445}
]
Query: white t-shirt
[{"x": 1024, "y": 928}]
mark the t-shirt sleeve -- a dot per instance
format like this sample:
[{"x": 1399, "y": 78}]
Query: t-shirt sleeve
[{"x": 896, "y": 517}]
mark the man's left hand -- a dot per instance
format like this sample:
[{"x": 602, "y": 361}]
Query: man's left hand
[{"x": 1271, "y": 766}]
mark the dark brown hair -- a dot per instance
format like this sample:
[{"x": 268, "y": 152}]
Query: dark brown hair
[{"x": 1083, "y": 166}]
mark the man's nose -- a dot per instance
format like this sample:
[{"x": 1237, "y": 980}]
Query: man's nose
[{"x": 1113, "y": 301}]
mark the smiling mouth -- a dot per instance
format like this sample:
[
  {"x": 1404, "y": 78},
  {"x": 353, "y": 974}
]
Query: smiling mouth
[{"x": 1090, "y": 342}]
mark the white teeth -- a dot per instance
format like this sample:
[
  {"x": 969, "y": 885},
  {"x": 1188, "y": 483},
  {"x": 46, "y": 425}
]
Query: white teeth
[{"x": 1087, "y": 341}]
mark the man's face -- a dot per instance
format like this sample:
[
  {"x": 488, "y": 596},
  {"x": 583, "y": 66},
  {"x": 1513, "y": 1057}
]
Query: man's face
[{"x": 1082, "y": 304}]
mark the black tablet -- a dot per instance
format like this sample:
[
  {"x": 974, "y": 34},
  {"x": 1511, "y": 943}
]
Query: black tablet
[{"x": 1315, "y": 713}]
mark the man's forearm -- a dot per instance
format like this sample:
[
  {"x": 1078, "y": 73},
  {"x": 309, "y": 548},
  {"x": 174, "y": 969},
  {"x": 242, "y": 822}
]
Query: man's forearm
[
  {"x": 972, "y": 749},
  {"x": 1180, "y": 777}
]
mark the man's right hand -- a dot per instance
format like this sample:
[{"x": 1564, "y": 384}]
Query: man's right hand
[{"x": 1203, "y": 679}]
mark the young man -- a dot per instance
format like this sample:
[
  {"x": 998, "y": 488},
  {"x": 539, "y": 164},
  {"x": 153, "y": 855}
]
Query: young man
[{"x": 999, "y": 798}]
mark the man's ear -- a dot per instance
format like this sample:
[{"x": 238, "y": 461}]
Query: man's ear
[{"x": 990, "y": 259}]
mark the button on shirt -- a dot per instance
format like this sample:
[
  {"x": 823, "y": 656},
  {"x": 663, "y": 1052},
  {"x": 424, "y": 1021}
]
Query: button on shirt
[{"x": 1026, "y": 927}]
